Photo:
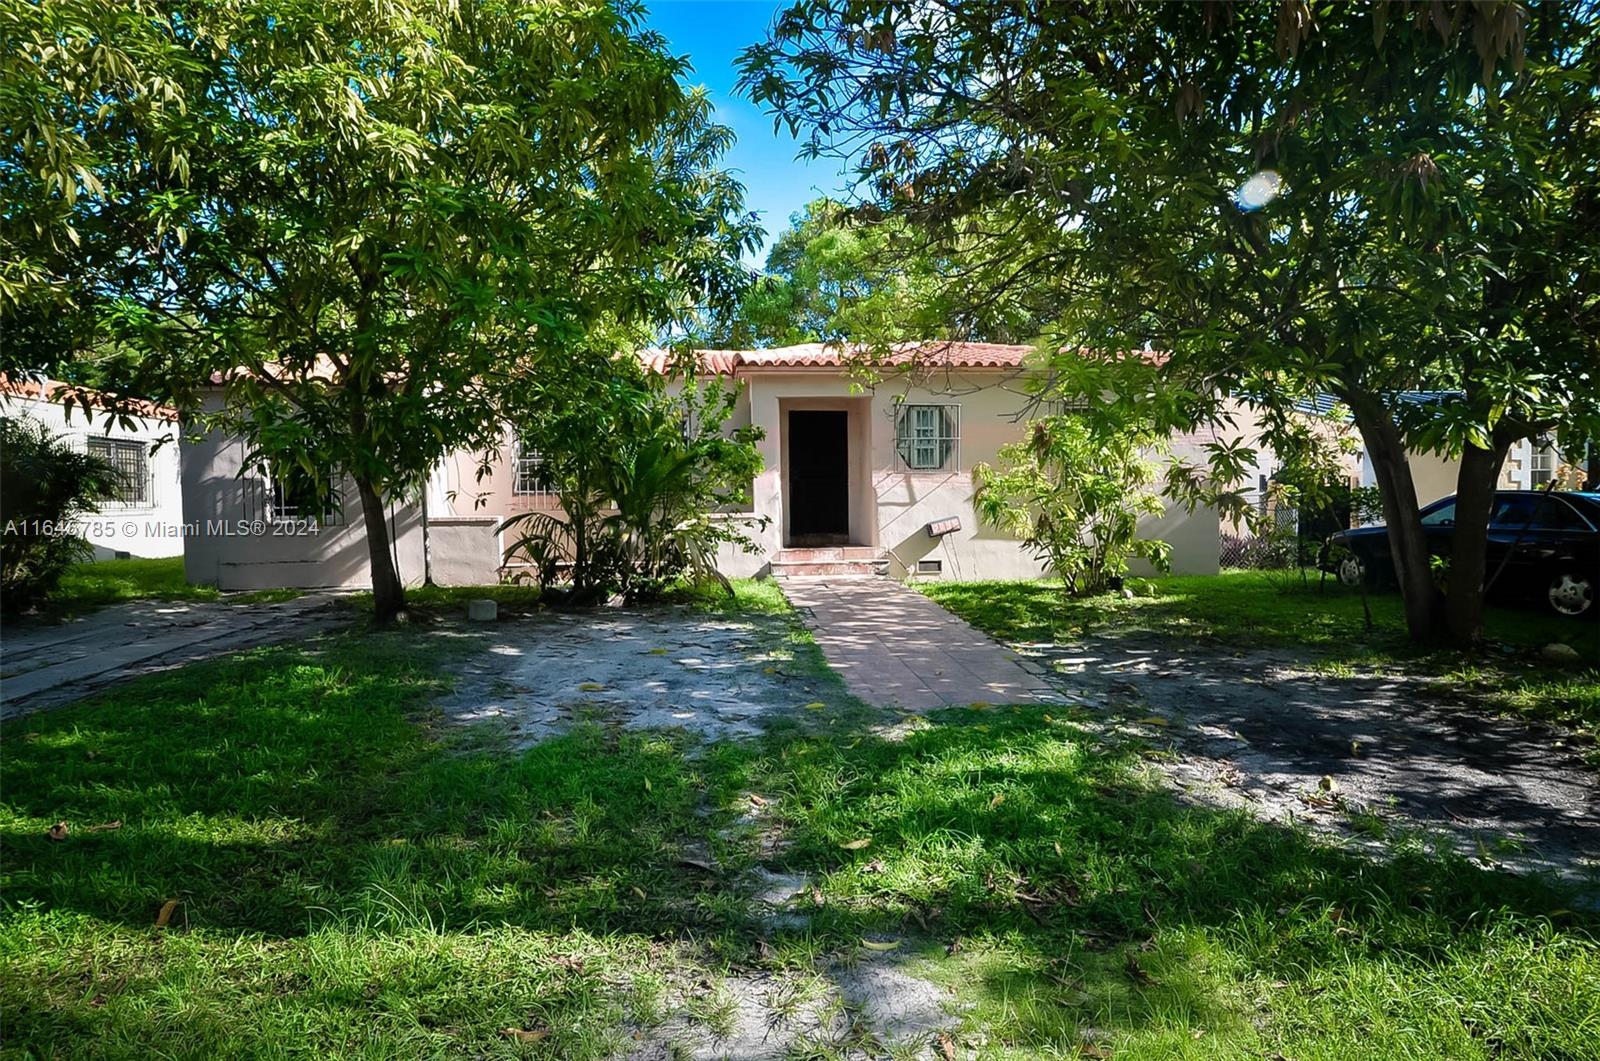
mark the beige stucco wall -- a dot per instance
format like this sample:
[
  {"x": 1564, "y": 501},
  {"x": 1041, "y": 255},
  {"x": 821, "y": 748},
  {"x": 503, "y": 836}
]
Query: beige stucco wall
[
  {"x": 229, "y": 545},
  {"x": 890, "y": 508}
]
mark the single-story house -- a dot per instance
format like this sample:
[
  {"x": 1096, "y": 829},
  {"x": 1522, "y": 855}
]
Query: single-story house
[
  {"x": 143, "y": 518},
  {"x": 870, "y": 478}
]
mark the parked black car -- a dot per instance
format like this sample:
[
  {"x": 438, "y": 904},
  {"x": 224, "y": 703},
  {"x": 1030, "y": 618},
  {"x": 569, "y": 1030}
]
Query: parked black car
[{"x": 1552, "y": 539}]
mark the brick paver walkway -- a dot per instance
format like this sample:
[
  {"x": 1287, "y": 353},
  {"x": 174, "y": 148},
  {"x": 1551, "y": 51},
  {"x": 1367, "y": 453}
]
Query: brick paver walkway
[{"x": 896, "y": 648}]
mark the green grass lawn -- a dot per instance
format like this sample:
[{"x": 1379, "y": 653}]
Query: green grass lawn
[
  {"x": 1253, "y": 609},
  {"x": 94, "y": 585},
  {"x": 85, "y": 587},
  {"x": 354, "y": 879}
]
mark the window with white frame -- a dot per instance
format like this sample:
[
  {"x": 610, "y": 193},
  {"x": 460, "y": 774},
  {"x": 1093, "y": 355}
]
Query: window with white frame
[
  {"x": 1541, "y": 462},
  {"x": 928, "y": 437},
  {"x": 531, "y": 478},
  {"x": 130, "y": 460}
]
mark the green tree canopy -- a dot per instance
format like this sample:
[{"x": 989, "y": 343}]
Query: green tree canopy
[
  {"x": 837, "y": 274},
  {"x": 1285, "y": 200},
  {"x": 361, "y": 218}
]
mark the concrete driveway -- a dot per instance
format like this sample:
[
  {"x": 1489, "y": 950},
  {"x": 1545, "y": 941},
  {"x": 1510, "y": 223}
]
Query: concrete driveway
[{"x": 45, "y": 666}]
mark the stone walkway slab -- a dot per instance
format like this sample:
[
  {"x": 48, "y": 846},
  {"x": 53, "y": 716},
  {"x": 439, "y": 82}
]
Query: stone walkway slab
[
  {"x": 640, "y": 668},
  {"x": 896, "y": 648}
]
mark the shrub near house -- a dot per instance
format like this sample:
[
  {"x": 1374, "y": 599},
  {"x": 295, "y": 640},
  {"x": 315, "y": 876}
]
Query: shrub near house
[
  {"x": 1075, "y": 497},
  {"x": 46, "y": 486}
]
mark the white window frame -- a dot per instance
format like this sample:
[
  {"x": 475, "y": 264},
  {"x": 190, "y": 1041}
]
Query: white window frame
[
  {"x": 145, "y": 484},
  {"x": 928, "y": 437},
  {"x": 526, "y": 479},
  {"x": 1541, "y": 462}
]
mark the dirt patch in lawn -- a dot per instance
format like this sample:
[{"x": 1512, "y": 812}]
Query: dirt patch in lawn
[
  {"x": 660, "y": 668},
  {"x": 1373, "y": 757}
]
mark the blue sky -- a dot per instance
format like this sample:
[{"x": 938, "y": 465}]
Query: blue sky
[{"x": 711, "y": 33}]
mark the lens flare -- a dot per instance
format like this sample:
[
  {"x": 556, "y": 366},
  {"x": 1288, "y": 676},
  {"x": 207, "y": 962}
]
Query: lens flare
[{"x": 1258, "y": 191}]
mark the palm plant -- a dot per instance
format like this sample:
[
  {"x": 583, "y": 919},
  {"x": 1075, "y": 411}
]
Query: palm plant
[{"x": 638, "y": 477}]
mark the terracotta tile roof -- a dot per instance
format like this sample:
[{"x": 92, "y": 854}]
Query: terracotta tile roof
[
  {"x": 50, "y": 390},
  {"x": 929, "y": 354}
]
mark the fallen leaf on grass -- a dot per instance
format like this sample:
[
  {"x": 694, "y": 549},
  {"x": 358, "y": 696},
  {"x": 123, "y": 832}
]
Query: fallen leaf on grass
[
  {"x": 947, "y": 1047},
  {"x": 647, "y": 786},
  {"x": 999, "y": 798},
  {"x": 57, "y": 832},
  {"x": 954, "y": 947},
  {"x": 1093, "y": 1050},
  {"x": 757, "y": 801},
  {"x": 815, "y": 705},
  {"x": 880, "y": 945},
  {"x": 105, "y": 826},
  {"x": 638, "y": 891},
  {"x": 856, "y": 845},
  {"x": 166, "y": 913},
  {"x": 526, "y": 1035}
]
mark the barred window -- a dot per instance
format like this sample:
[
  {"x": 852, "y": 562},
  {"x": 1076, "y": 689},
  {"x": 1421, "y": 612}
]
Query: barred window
[
  {"x": 293, "y": 497},
  {"x": 531, "y": 478},
  {"x": 1067, "y": 406},
  {"x": 131, "y": 461},
  {"x": 281, "y": 502},
  {"x": 928, "y": 437}
]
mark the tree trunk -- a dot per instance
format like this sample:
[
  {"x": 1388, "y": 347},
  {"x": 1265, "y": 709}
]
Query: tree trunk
[
  {"x": 388, "y": 596},
  {"x": 1469, "y": 550},
  {"x": 1408, "y": 545}
]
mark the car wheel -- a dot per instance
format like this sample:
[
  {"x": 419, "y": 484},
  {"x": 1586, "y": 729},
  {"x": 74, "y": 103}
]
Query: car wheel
[
  {"x": 1571, "y": 594},
  {"x": 1352, "y": 571}
]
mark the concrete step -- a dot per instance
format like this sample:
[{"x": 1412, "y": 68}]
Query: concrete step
[
  {"x": 828, "y": 553},
  {"x": 858, "y": 560}
]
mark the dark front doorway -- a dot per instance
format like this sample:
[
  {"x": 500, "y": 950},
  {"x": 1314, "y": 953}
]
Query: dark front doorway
[{"x": 819, "y": 477}]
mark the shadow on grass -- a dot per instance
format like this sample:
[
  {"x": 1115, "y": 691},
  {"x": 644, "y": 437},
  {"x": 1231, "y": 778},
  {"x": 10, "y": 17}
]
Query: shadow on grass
[
  {"x": 1322, "y": 619},
  {"x": 301, "y": 797}
]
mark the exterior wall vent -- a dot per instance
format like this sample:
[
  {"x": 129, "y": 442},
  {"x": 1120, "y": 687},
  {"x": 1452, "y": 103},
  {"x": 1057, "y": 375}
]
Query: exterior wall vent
[{"x": 930, "y": 567}]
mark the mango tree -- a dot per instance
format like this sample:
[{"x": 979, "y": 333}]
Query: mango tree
[
  {"x": 345, "y": 215},
  {"x": 1280, "y": 201}
]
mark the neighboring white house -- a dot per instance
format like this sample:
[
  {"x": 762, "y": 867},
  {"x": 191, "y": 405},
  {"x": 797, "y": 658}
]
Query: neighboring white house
[
  {"x": 858, "y": 478},
  {"x": 144, "y": 517},
  {"x": 1529, "y": 466}
]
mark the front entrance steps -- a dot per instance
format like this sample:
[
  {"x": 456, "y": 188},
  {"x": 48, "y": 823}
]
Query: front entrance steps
[{"x": 830, "y": 560}]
